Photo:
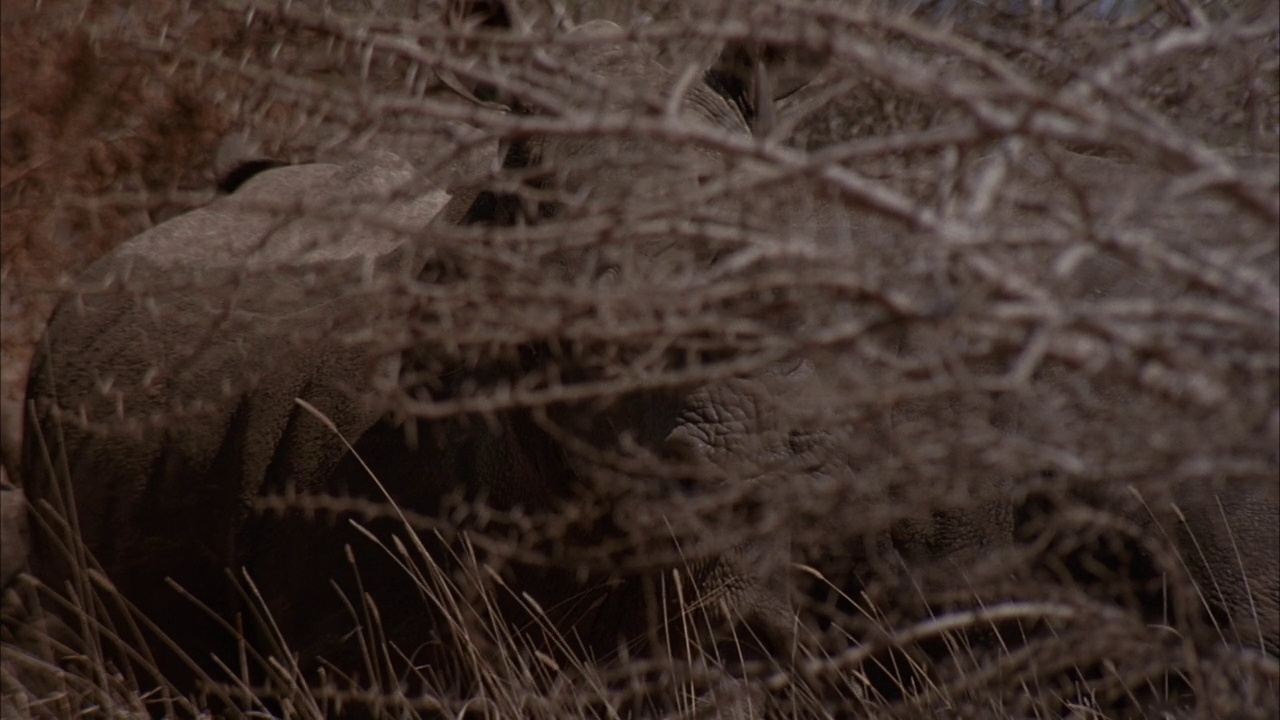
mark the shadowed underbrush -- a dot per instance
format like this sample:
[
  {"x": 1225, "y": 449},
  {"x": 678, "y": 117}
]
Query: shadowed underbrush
[{"x": 1002, "y": 282}]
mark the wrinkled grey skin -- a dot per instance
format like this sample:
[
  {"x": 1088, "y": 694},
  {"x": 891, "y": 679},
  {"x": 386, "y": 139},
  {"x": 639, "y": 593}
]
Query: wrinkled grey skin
[
  {"x": 526, "y": 464},
  {"x": 172, "y": 501},
  {"x": 164, "y": 387},
  {"x": 1226, "y": 536},
  {"x": 1230, "y": 540},
  {"x": 164, "y": 392}
]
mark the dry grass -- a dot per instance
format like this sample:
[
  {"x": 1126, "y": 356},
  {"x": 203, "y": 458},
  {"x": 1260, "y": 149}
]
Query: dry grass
[{"x": 1026, "y": 256}]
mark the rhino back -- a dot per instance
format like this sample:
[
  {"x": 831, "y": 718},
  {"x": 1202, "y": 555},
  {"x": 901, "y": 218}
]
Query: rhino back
[{"x": 163, "y": 391}]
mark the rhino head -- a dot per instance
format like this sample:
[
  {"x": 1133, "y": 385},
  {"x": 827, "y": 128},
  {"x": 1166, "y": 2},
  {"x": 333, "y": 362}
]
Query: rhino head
[{"x": 613, "y": 185}]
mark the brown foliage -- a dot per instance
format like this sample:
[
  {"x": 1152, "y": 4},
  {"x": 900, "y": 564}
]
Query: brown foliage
[
  {"x": 84, "y": 121},
  {"x": 1027, "y": 262}
]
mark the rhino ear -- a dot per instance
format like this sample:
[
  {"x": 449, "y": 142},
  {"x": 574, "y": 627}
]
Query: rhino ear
[
  {"x": 756, "y": 75},
  {"x": 466, "y": 17}
]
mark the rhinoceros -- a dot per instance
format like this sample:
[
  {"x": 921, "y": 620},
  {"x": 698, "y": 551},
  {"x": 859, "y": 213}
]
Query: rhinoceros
[
  {"x": 226, "y": 356},
  {"x": 165, "y": 392}
]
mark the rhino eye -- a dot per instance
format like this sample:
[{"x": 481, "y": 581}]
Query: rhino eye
[{"x": 800, "y": 442}]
